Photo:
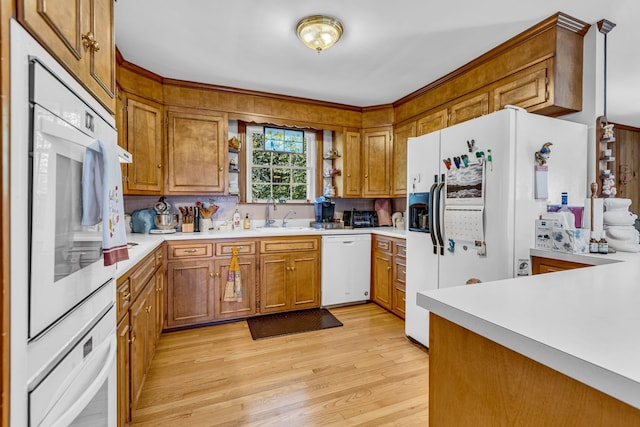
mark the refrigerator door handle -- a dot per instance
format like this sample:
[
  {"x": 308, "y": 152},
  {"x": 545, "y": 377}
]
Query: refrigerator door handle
[
  {"x": 437, "y": 219},
  {"x": 432, "y": 230}
]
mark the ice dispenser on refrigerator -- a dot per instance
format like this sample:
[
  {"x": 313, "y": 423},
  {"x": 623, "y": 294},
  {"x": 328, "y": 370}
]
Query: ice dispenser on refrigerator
[{"x": 419, "y": 212}]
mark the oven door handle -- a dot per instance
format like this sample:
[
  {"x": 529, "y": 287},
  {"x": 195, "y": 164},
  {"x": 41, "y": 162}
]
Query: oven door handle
[
  {"x": 64, "y": 132},
  {"x": 82, "y": 390}
]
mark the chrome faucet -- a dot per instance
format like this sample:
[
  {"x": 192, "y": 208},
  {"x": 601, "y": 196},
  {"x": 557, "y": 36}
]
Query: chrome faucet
[
  {"x": 284, "y": 220},
  {"x": 269, "y": 222}
]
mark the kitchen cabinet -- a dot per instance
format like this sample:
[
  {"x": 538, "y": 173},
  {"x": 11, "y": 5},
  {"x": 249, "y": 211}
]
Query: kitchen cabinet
[
  {"x": 388, "y": 274},
  {"x": 469, "y": 108},
  {"x": 80, "y": 36},
  {"x": 399, "y": 277},
  {"x": 247, "y": 261},
  {"x": 197, "y": 151},
  {"x": 350, "y": 182},
  {"x": 432, "y": 121},
  {"x": 141, "y": 134},
  {"x": 289, "y": 274},
  {"x": 190, "y": 292},
  {"x": 540, "y": 265},
  {"x": 376, "y": 165},
  {"x": 527, "y": 89},
  {"x": 399, "y": 158},
  {"x": 139, "y": 310}
]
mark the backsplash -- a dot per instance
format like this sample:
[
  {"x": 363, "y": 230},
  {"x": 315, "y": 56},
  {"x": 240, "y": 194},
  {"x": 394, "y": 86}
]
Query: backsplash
[{"x": 229, "y": 204}]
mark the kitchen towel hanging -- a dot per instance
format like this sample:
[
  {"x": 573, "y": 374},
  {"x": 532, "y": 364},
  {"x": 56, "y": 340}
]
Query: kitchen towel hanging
[
  {"x": 233, "y": 288},
  {"x": 102, "y": 199}
]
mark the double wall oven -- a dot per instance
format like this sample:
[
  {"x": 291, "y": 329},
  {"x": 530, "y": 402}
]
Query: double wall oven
[{"x": 63, "y": 342}]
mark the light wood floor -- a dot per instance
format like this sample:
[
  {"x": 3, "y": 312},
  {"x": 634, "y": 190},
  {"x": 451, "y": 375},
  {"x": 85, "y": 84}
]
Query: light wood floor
[{"x": 364, "y": 373}]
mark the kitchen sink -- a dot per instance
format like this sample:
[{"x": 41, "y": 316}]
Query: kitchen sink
[{"x": 282, "y": 229}]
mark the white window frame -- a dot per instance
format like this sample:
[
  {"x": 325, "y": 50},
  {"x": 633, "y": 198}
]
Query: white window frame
[{"x": 309, "y": 136}]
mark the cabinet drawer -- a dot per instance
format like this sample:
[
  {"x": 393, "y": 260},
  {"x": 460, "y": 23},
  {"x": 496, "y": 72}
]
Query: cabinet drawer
[
  {"x": 159, "y": 256},
  {"x": 400, "y": 249},
  {"x": 399, "y": 300},
  {"x": 190, "y": 250},
  {"x": 245, "y": 247},
  {"x": 123, "y": 298},
  {"x": 142, "y": 274},
  {"x": 400, "y": 271},
  {"x": 382, "y": 244},
  {"x": 289, "y": 245}
]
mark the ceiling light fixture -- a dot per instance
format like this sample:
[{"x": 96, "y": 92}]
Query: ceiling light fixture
[{"x": 319, "y": 32}]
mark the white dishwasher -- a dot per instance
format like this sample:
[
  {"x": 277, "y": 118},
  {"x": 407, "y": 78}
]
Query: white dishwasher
[{"x": 346, "y": 268}]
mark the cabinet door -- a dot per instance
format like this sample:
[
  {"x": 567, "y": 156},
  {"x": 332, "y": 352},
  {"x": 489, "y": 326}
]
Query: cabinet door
[
  {"x": 352, "y": 165},
  {"x": 150, "y": 310},
  {"x": 399, "y": 300},
  {"x": 468, "y": 109},
  {"x": 138, "y": 349},
  {"x": 123, "y": 371},
  {"x": 66, "y": 29},
  {"x": 144, "y": 142},
  {"x": 274, "y": 291},
  {"x": 197, "y": 151},
  {"x": 190, "y": 298},
  {"x": 227, "y": 309},
  {"x": 526, "y": 89},
  {"x": 382, "y": 279},
  {"x": 304, "y": 268},
  {"x": 399, "y": 158},
  {"x": 377, "y": 164},
  {"x": 159, "y": 296},
  {"x": 432, "y": 122}
]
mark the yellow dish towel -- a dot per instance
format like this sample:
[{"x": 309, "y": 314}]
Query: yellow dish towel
[{"x": 233, "y": 288}]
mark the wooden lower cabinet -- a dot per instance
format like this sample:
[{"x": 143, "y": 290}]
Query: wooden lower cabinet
[
  {"x": 289, "y": 274},
  {"x": 540, "y": 265},
  {"x": 190, "y": 292},
  {"x": 140, "y": 321},
  {"x": 388, "y": 275},
  {"x": 228, "y": 308}
]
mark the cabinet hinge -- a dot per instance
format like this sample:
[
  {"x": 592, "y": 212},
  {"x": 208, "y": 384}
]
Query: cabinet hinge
[
  {"x": 130, "y": 328},
  {"x": 546, "y": 80},
  {"x": 546, "y": 96}
]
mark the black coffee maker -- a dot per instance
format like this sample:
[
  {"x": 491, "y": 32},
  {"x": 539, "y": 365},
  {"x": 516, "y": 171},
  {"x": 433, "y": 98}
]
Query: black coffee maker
[{"x": 324, "y": 209}]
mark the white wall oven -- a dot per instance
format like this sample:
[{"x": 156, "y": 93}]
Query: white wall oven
[{"x": 63, "y": 341}]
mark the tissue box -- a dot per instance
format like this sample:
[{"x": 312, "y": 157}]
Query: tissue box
[
  {"x": 570, "y": 241},
  {"x": 544, "y": 227}
]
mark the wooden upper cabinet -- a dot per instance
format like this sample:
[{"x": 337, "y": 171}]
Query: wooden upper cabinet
[
  {"x": 197, "y": 151},
  {"x": 143, "y": 140},
  {"x": 399, "y": 158},
  {"x": 80, "y": 35},
  {"x": 377, "y": 163},
  {"x": 352, "y": 174},
  {"x": 432, "y": 122},
  {"x": 527, "y": 89},
  {"x": 470, "y": 108}
]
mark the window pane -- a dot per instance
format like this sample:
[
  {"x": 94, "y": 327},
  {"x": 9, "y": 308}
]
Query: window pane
[
  {"x": 281, "y": 175},
  {"x": 298, "y": 160},
  {"x": 261, "y": 175},
  {"x": 299, "y": 176},
  {"x": 258, "y": 141},
  {"x": 299, "y": 192},
  {"x": 282, "y": 191},
  {"x": 281, "y": 159},
  {"x": 261, "y": 191},
  {"x": 261, "y": 158}
]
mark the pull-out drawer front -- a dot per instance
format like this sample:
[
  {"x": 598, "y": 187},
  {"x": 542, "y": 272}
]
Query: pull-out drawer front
[
  {"x": 400, "y": 271},
  {"x": 190, "y": 250},
  {"x": 123, "y": 298},
  {"x": 383, "y": 244},
  {"x": 289, "y": 245},
  {"x": 400, "y": 249},
  {"x": 142, "y": 274},
  {"x": 245, "y": 247}
]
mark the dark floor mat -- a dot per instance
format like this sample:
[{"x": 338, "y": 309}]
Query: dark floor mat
[{"x": 293, "y": 322}]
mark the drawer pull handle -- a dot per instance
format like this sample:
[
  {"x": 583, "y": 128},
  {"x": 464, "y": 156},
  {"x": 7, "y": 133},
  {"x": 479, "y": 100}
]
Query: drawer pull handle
[
  {"x": 191, "y": 251},
  {"x": 133, "y": 339}
]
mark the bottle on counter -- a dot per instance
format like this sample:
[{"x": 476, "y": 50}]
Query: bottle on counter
[
  {"x": 569, "y": 217},
  {"x": 247, "y": 222},
  {"x": 196, "y": 219},
  {"x": 236, "y": 220},
  {"x": 603, "y": 245},
  {"x": 593, "y": 244}
]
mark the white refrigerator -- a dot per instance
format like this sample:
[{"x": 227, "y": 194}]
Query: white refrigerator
[{"x": 482, "y": 214}]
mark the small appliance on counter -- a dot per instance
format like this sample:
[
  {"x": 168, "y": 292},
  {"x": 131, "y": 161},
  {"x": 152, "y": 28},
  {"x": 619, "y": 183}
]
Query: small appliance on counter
[
  {"x": 324, "y": 209},
  {"x": 360, "y": 219}
]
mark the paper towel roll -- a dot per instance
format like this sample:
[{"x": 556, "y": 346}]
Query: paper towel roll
[{"x": 598, "y": 207}]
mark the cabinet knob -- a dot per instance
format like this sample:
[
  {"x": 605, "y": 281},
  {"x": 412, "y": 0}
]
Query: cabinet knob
[
  {"x": 126, "y": 296},
  {"x": 288, "y": 268},
  {"x": 89, "y": 42},
  {"x": 366, "y": 175},
  {"x": 348, "y": 175},
  {"x": 159, "y": 166},
  {"x": 133, "y": 339},
  {"x": 388, "y": 268},
  {"x": 159, "y": 289},
  {"x": 221, "y": 169}
]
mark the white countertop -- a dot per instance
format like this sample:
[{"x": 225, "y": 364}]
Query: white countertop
[
  {"x": 584, "y": 323},
  {"x": 146, "y": 243}
]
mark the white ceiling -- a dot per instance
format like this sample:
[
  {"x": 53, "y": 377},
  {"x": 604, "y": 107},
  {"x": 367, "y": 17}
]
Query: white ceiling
[{"x": 388, "y": 50}]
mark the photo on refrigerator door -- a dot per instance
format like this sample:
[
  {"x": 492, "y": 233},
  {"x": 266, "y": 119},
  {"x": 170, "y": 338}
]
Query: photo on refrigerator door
[{"x": 465, "y": 186}]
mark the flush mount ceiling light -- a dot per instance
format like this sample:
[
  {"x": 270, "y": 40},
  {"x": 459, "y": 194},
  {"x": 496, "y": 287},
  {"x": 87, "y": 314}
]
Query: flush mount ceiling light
[{"x": 319, "y": 32}]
